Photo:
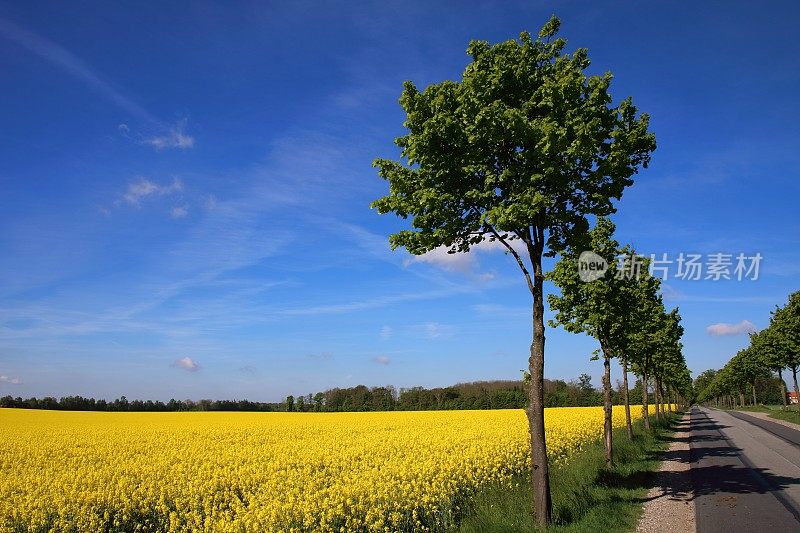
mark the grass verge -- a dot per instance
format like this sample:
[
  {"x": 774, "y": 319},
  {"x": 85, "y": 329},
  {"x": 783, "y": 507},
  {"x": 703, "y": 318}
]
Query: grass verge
[
  {"x": 790, "y": 414},
  {"x": 586, "y": 496}
]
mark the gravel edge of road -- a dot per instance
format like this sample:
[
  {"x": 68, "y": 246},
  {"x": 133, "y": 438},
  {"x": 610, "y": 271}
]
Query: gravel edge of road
[{"x": 670, "y": 506}]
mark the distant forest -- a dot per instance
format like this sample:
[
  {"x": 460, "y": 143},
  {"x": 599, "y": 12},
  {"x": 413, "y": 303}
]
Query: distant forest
[{"x": 476, "y": 395}]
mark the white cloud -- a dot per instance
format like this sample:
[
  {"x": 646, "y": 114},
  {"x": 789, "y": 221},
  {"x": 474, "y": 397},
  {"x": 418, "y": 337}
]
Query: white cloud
[
  {"x": 382, "y": 360},
  {"x": 12, "y": 381},
  {"x": 143, "y": 188},
  {"x": 179, "y": 211},
  {"x": 745, "y": 326},
  {"x": 386, "y": 332},
  {"x": 466, "y": 263},
  {"x": 671, "y": 293},
  {"x": 186, "y": 363},
  {"x": 439, "y": 257},
  {"x": 176, "y": 137}
]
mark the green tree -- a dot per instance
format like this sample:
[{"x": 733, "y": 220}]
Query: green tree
[
  {"x": 705, "y": 378},
  {"x": 597, "y": 308},
  {"x": 786, "y": 323},
  {"x": 521, "y": 150},
  {"x": 319, "y": 399},
  {"x": 643, "y": 334},
  {"x": 768, "y": 346},
  {"x": 668, "y": 364},
  {"x": 639, "y": 288},
  {"x": 290, "y": 403}
]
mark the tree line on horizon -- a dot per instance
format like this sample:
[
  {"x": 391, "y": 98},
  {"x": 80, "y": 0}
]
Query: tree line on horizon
[{"x": 497, "y": 394}]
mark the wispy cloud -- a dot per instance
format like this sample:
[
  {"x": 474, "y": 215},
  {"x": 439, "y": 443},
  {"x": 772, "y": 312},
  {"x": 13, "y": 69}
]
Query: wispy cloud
[
  {"x": 669, "y": 292},
  {"x": 143, "y": 188},
  {"x": 176, "y": 137},
  {"x": 382, "y": 359},
  {"x": 11, "y": 381},
  {"x": 381, "y": 301},
  {"x": 722, "y": 328},
  {"x": 435, "y": 330},
  {"x": 179, "y": 211},
  {"x": 321, "y": 355},
  {"x": 386, "y": 332},
  {"x": 186, "y": 363},
  {"x": 173, "y": 136},
  {"x": 68, "y": 62}
]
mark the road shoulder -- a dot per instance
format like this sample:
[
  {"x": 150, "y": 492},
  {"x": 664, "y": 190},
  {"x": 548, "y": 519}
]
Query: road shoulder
[
  {"x": 670, "y": 501},
  {"x": 765, "y": 416}
]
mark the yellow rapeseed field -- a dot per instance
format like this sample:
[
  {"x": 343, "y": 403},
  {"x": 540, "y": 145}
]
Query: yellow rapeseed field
[{"x": 200, "y": 471}]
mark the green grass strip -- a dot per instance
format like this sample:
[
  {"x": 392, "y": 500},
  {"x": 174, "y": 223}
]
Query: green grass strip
[{"x": 586, "y": 496}]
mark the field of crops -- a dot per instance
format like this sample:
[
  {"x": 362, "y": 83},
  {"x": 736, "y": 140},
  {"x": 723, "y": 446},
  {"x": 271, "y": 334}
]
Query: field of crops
[{"x": 81, "y": 471}]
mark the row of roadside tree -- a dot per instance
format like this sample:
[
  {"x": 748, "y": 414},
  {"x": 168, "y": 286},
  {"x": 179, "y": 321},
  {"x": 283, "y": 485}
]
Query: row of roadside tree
[
  {"x": 624, "y": 311},
  {"x": 773, "y": 349}
]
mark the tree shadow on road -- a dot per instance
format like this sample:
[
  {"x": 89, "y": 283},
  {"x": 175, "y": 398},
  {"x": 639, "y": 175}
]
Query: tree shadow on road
[{"x": 726, "y": 474}]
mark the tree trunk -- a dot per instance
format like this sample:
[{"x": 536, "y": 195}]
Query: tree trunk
[
  {"x": 783, "y": 387},
  {"x": 796, "y": 388},
  {"x": 665, "y": 408},
  {"x": 625, "y": 397},
  {"x": 657, "y": 399},
  {"x": 539, "y": 468},
  {"x": 755, "y": 402},
  {"x": 607, "y": 409},
  {"x": 645, "y": 407}
]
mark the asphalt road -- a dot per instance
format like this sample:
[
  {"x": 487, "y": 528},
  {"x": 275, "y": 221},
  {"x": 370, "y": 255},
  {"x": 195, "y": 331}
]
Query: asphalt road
[{"x": 745, "y": 473}]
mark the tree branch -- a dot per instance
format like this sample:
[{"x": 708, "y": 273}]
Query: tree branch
[{"x": 513, "y": 252}]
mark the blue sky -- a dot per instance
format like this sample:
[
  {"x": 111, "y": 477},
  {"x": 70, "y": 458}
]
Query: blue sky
[{"x": 185, "y": 188}]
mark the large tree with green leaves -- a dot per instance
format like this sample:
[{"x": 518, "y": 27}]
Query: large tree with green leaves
[{"x": 523, "y": 148}]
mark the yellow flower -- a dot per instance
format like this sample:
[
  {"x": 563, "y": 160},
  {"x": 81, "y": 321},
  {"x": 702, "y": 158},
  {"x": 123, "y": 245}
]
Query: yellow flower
[{"x": 242, "y": 472}]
